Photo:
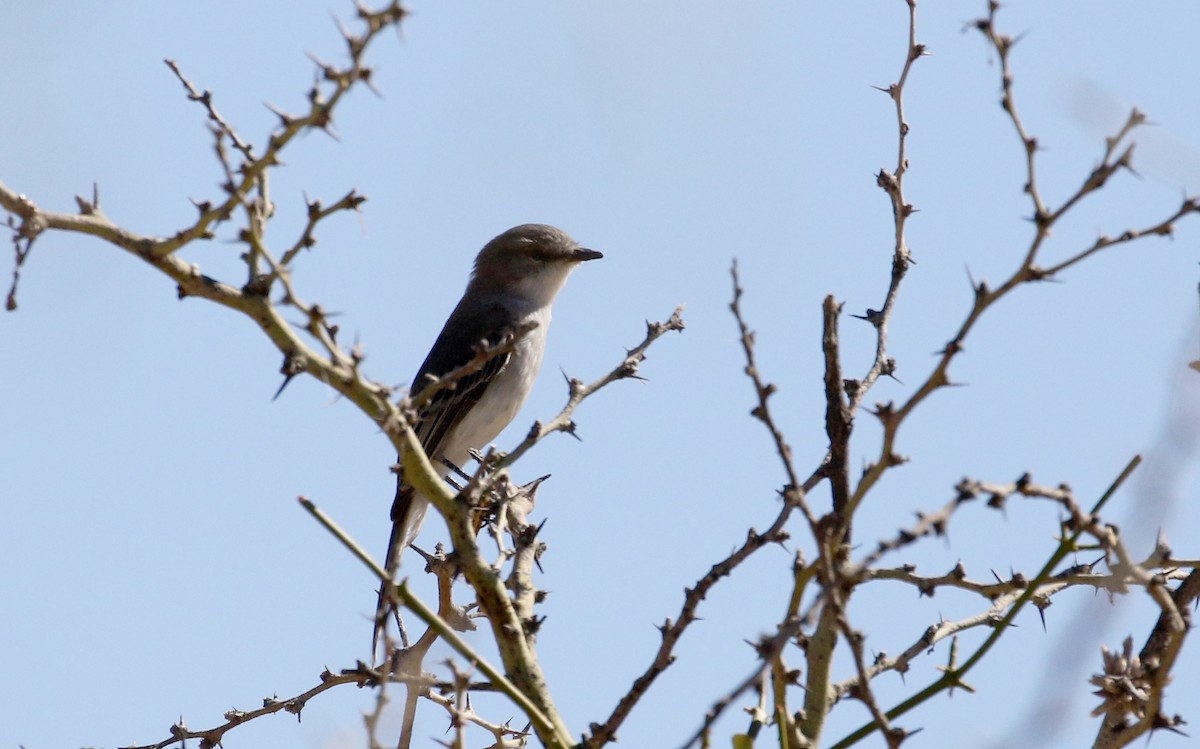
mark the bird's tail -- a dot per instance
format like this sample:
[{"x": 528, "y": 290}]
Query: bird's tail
[{"x": 404, "y": 511}]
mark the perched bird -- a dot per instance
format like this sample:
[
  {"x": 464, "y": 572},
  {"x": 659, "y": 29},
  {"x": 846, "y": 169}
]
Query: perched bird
[{"x": 516, "y": 277}]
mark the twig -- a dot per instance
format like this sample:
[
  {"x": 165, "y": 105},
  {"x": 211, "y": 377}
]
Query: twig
[
  {"x": 861, "y": 688},
  {"x": 768, "y": 650},
  {"x": 578, "y": 391},
  {"x": 763, "y": 391},
  {"x": 351, "y": 201},
  {"x": 672, "y": 630},
  {"x": 500, "y": 731},
  {"x": 362, "y": 675},
  {"x": 838, "y": 422},
  {"x": 345, "y": 538},
  {"x": 206, "y": 100},
  {"x": 1028, "y": 272},
  {"x": 339, "y": 372},
  {"x": 893, "y": 184},
  {"x": 952, "y": 677}
]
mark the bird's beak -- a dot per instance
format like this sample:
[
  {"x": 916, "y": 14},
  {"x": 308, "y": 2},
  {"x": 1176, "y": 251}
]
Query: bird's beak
[{"x": 582, "y": 254}]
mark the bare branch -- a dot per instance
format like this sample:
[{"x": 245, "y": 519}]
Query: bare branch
[
  {"x": 205, "y": 99},
  {"x": 578, "y": 391},
  {"x": 1028, "y": 271},
  {"x": 362, "y": 675},
  {"x": 795, "y": 489},
  {"x": 351, "y": 201},
  {"x": 1005, "y": 608},
  {"x": 838, "y": 421},
  {"x": 892, "y": 184}
]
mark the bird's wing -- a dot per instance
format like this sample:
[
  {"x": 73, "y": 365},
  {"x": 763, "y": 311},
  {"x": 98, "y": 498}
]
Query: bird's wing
[
  {"x": 443, "y": 412},
  {"x": 446, "y": 409}
]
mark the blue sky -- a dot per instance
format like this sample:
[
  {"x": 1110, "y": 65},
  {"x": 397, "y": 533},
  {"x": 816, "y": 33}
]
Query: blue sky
[{"x": 155, "y": 561}]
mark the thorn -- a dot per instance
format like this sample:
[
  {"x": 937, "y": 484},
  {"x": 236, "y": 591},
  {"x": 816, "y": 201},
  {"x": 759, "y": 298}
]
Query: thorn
[
  {"x": 570, "y": 429},
  {"x": 873, "y": 316},
  {"x": 285, "y": 119},
  {"x": 286, "y": 380},
  {"x": 292, "y": 366}
]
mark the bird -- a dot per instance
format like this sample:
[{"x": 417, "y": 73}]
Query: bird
[{"x": 516, "y": 277}]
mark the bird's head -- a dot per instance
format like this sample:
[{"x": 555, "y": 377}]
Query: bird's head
[{"x": 531, "y": 261}]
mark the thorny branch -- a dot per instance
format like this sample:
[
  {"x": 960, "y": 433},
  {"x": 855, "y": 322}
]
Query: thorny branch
[
  {"x": 205, "y": 99},
  {"x": 795, "y": 491},
  {"x": 833, "y": 538},
  {"x": 317, "y": 213},
  {"x": 1132, "y": 687},
  {"x": 246, "y": 188},
  {"x": 838, "y": 421},
  {"x": 335, "y": 367},
  {"x": 361, "y": 674},
  {"x": 892, "y": 183},
  {"x": 672, "y": 630},
  {"x": 1115, "y": 158},
  {"x": 837, "y": 578},
  {"x": 577, "y": 391},
  {"x": 1009, "y": 598}
]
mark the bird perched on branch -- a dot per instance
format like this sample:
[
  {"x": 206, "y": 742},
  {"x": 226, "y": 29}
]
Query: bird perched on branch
[{"x": 505, "y": 314}]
